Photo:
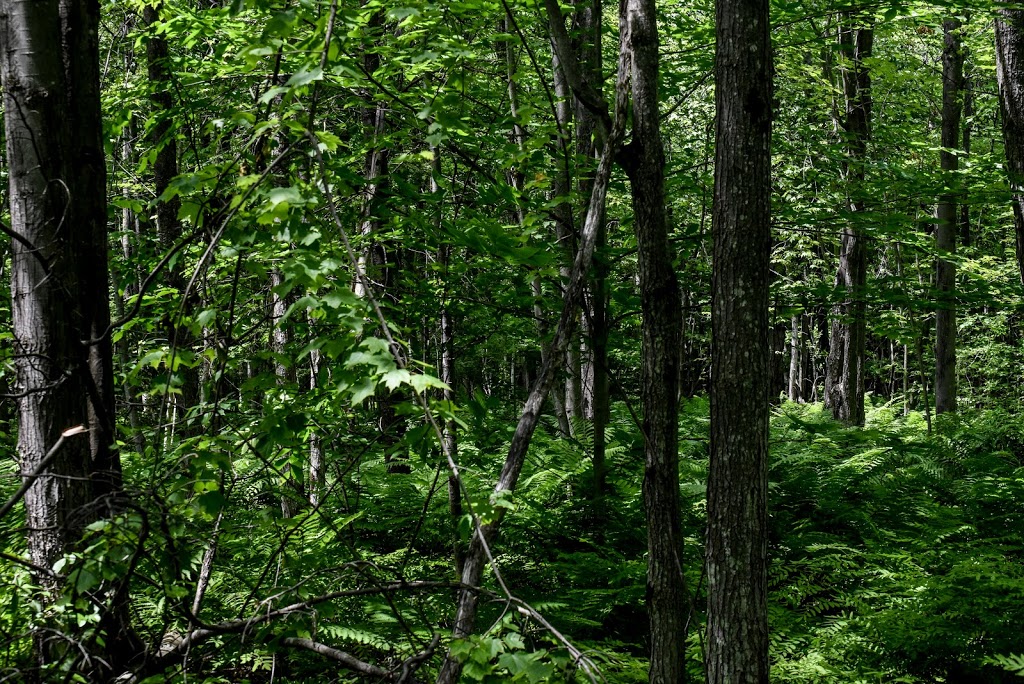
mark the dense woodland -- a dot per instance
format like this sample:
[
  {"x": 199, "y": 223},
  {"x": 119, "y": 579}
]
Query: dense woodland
[{"x": 512, "y": 340}]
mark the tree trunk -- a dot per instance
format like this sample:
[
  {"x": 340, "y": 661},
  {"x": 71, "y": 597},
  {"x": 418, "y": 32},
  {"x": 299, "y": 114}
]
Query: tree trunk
[
  {"x": 165, "y": 168},
  {"x": 60, "y": 289},
  {"x": 292, "y": 494},
  {"x": 794, "y": 359},
  {"x": 1010, "y": 74},
  {"x": 737, "y": 632},
  {"x": 588, "y": 48},
  {"x": 844, "y": 372},
  {"x": 644, "y": 161},
  {"x": 946, "y": 222},
  {"x": 965, "y": 209}
]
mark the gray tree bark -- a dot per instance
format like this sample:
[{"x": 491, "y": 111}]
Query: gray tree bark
[
  {"x": 737, "y": 549},
  {"x": 946, "y": 221},
  {"x": 49, "y": 68}
]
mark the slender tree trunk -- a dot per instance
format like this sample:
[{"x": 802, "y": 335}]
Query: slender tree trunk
[
  {"x": 946, "y": 222},
  {"x": 280, "y": 342},
  {"x": 737, "y": 632},
  {"x": 565, "y": 234},
  {"x": 965, "y": 208},
  {"x": 450, "y": 435},
  {"x": 588, "y": 48},
  {"x": 168, "y": 226},
  {"x": 644, "y": 161},
  {"x": 844, "y": 373},
  {"x": 316, "y": 442},
  {"x": 49, "y": 67},
  {"x": 483, "y": 536},
  {"x": 1010, "y": 74},
  {"x": 794, "y": 359}
]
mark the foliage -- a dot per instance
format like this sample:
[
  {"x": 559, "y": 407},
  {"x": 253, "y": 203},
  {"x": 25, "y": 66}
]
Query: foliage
[{"x": 896, "y": 550}]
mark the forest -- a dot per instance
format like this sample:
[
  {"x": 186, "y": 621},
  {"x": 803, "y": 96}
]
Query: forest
[{"x": 512, "y": 341}]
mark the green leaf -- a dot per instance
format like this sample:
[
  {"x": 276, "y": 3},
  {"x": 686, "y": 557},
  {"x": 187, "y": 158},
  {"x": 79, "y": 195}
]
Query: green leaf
[{"x": 305, "y": 77}]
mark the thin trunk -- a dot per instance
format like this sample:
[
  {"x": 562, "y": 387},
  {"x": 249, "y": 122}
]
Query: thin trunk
[
  {"x": 587, "y": 47},
  {"x": 129, "y": 227},
  {"x": 965, "y": 208},
  {"x": 737, "y": 547},
  {"x": 565, "y": 234},
  {"x": 451, "y": 443},
  {"x": 946, "y": 222},
  {"x": 1010, "y": 74},
  {"x": 206, "y": 567},
  {"x": 794, "y": 359},
  {"x": 844, "y": 373},
  {"x": 924, "y": 375},
  {"x": 280, "y": 344},
  {"x": 168, "y": 226},
  {"x": 316, "y": 442}
]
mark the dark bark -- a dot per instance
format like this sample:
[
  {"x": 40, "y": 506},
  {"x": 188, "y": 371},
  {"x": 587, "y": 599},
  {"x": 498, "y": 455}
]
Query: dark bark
[
  {"x": 168, "y": 226},
  {"x": 644, "y": 161},
  {"x": 737, "y": 632},
  {"x": 587, "y": 46},
  {"x": 1010, "y": 73},
  {"x": 844, "y": 370},
  {"x": 59, "y": 283},
  {"x": 946, "y": 222},
  {"x": 965, "y": 208}
]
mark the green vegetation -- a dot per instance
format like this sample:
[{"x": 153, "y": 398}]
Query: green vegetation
[{"x": 351, "y": 280}]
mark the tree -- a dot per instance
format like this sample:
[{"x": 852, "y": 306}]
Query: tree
[
  {"x": 59, "y": 286},
  {"x": 844, "y": 374},
  {"x": 737, "y": 570},
  {"x": 946, "y": 226},
  {"x": 644, "y": 162},
  {"x": 1009, "y": 27}
]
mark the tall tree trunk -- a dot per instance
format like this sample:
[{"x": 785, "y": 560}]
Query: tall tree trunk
[
  {"x": 946, "y": 222},
  {"x": 565, "y": 235},
  {"x": 49, "y": 67},
  {"x": 794, "y": 359},
  {"x": 587, "y": 46},
  {"x": 168, "y": 226},
  {"x": 451, "y": 443},
  {"x": 644, "y": 161},
  {"x": 965, "y": 207},
  {"x": 292, "y": 494},
  {"x": 1010, "y": 74},
  {"x": 737, "y": 632},
  {"x": 844, "y": 371}
]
